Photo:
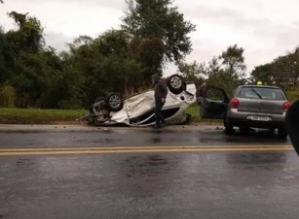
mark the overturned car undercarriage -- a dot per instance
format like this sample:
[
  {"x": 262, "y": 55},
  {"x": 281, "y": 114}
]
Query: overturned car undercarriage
[{"x": 138, "y": 110}]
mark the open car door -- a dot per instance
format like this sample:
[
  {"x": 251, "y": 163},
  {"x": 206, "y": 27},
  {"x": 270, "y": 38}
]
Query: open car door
[{"x": 214, "y": 105}]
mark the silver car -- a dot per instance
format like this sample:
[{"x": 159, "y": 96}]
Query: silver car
[{"x": 252, "y": 106}]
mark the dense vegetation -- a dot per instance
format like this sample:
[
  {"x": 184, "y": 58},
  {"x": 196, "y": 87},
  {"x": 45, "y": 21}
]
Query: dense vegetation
[{"x": 123, "y": 60}]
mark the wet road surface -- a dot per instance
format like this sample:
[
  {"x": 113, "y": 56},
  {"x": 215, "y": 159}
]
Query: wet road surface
[
  {"x": 126, "y": 137},
  {"x": 214, "y": 180}
]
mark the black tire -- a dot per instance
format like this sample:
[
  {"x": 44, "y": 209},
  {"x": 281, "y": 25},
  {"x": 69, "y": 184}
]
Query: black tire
[
  {"x": 99, "y": 99},
  {"x": 271, "y": 131},
  {"x": 114, "y": 101},
  {"x": 244, "y": 130},
  {"x": 229, "y": 128},
  {"x": 101, "y": 105},
  {"x": 282, "y": 133},
  {"x": 176, "y": 84}
]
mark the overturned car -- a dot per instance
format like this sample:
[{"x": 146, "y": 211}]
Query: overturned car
[{"x": 138, "y": 110}]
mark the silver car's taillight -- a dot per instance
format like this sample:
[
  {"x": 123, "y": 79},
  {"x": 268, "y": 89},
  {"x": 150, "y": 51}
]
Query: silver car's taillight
[
  {"x": 286, "y": 105},
  {"x": 234, "y": 103}
]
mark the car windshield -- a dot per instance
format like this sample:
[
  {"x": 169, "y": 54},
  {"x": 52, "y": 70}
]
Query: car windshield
[{"x": 265, "y": 93}]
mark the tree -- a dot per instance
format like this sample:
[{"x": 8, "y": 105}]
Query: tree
[
  {"x": 157, "y": 18},
  {"x": 192, "y": 72},
  {"x": 234, "y": 60},
  {"x": 28, "y": 38},
  {"x": 283, "y": 70},
  {"x": 226, "y": 70},
  {"x": 264, "y": 73},
  {"x": 2, "y": 55},
  {"x": 150, "y": 53},
  {"x": 107, "y": 64},
  {"x": 113, "y": 43},
  {"x": 213, "y": 66},
  {"x": 225, "y": 80}
]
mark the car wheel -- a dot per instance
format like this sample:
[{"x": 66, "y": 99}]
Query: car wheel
[
  {"x": 271, "y": 131},
  {"x": 114, "y": 101},
  {"x": 282, "y": 133},
  {"x": 244, "y": 130},
  {"x": 99, "y": 104},
  {"x": 176, "y": 84},
  {"x": 99, "y": 99},
  {"x": 229, "y": 129}
]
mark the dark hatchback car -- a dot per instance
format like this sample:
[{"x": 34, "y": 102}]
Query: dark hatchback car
[{"x": 252, "y": 106}]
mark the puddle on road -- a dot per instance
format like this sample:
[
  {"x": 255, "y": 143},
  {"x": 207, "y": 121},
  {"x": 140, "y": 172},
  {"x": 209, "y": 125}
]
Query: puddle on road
[
  {"x": 266, "y": 161},
  {"x": 156, "y": 140},
  {"x": 26, "y": 163},
  {"x": 146, "y": 165}
]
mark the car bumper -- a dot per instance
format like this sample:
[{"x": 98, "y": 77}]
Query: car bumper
[{"x": 245, "y": 119}]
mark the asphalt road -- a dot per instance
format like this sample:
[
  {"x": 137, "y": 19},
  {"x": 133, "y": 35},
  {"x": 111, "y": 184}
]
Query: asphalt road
[{"x": 181, "y": 173}]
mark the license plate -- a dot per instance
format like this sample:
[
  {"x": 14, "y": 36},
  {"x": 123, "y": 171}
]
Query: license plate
[{"x": 259, "y": 118}]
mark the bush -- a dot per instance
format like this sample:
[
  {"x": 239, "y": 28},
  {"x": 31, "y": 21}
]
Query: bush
[
  {"x": 293, "y": 95},
  {"x": 7, "y": 95}
]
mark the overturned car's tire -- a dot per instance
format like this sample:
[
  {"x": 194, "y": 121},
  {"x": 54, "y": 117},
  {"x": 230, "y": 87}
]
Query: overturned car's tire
[
  {"x": 114, "y": 102},
  {"x": 99, "y": 99},
  {"x": 176, "y": 84},
  {"x": 99, "y": 104}
]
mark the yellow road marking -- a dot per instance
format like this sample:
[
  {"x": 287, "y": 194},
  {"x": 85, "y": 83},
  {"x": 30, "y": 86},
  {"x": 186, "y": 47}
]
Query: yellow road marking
[
  {"x": 145, "y": 149},
  {"x": 149, "y": 147}
]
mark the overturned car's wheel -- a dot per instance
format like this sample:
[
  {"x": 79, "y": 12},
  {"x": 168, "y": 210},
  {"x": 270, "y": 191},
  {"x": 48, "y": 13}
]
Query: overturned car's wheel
[
  {"x": 114, "y": 101},
  {"x": 99, "y": 104},
  {"x": 99, "y": 99},
  {"x": 176, "y": 84}
]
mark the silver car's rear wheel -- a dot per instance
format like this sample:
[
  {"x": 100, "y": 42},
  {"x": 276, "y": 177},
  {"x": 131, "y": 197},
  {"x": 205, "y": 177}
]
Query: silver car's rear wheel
[
  {"x": 282, "y": 133},
  {"x": 229, "y": 129}
]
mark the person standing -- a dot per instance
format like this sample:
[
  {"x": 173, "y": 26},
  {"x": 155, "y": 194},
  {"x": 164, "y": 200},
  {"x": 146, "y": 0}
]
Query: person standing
[
  {"x": 201, "y": 93},
  {"x": 161, "y": 92}
]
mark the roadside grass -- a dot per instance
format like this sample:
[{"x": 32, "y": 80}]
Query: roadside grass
[
  {"x": 38, "y": 116},
  {"x": 194, "y": 111},
  {"x": 60, "y": 116}
]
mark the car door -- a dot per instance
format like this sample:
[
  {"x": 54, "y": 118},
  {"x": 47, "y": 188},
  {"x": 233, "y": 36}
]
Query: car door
[{"x": 214, "y": 105}]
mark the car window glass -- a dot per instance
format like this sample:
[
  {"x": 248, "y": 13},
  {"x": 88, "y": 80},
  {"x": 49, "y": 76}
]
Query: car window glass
[
  {"x": 264, "y": 93},
  {"x": 215, "y": 94}
]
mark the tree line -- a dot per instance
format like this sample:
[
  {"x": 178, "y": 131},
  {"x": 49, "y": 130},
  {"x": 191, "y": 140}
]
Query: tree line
[{"x": 153, "y": 33}]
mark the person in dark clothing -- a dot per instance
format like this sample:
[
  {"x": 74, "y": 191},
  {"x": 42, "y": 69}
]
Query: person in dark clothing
[
  {"x": 161, "y": 92},
  {"x": 201, "y": 93}
]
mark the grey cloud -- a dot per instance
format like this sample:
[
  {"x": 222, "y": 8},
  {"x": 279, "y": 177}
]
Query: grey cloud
[
  {"x": 117, "y": 4},
  {"x": 264, "y": 31},
  {"x": 283, "y": 38},
  {"x": 237, "y": 20}
]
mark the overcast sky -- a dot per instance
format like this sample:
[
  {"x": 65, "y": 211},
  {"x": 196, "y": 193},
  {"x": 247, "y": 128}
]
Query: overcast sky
[{"x": 264, "y": 28}]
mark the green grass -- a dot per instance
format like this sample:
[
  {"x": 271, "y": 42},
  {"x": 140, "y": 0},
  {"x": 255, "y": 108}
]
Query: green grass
[
  {"x": 194, "y": 111},
  {"x": 38, "y": 116},
  {"x": 56, "y": 116},
  {"x": 293, "y": 95}
]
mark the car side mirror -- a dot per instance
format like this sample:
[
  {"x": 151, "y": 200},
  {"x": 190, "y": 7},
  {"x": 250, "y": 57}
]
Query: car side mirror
[{"x": 292, "y": 125}]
